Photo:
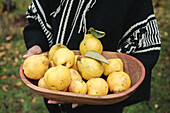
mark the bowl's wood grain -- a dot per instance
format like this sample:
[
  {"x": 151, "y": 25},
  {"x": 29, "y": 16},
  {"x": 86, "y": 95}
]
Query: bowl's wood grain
[{"x": 132, "y": 66}]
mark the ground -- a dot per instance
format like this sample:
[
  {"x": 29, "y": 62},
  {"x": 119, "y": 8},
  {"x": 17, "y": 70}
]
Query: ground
[{"x": 16, "y": 97}]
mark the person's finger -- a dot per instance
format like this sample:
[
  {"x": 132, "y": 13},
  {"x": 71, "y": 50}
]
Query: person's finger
[
  {"x": 27, "y": 55},
  {"x": 54, "y": 102},
  {"x": 33, "y": 50},
  {"x": 74, "y": 105}
]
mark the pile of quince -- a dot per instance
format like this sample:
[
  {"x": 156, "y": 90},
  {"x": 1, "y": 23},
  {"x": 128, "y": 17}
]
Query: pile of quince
[{"x": 62, "y": 70}]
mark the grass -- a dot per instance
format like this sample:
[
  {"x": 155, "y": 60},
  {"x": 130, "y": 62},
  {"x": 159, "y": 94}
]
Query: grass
[{"x": 16, "y": 97}]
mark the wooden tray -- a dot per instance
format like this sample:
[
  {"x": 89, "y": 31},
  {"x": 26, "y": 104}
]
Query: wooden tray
[{"x": 132, "y": 66}]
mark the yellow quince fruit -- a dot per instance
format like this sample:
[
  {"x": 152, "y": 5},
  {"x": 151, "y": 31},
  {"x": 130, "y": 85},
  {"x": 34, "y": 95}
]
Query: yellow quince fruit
[
  {"x": 97, "y": 86},
  {"x": 64, "y": 56},
  {"x": 115, "y": 64},
  {"x": 90, "y": 43},
  {"x": 89, "y": 68},
  {"x": 118, "y": 81},
  {"x": 53, "y": 49},
  {"x": 58, "y": 78},
  {"x": 35, "y": 66},
  {"x": 78, "y": 86},
  {"x": 75, "y": 74}
]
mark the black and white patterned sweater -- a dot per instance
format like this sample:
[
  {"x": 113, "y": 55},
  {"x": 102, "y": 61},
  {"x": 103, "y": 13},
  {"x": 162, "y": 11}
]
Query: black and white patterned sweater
[{"x": 130, "y": 27}]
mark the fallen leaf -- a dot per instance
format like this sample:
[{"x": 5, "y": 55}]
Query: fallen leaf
[
  {"x": 166, "y": 33},
  {"x": 20, "y": 56},
  {"x": 22, "y": 100},
  {"x": 167, "y": 58},
  {"x": 4, "y": 70},
  {"x": 159, "y": 74},
  {"x": 13, "y": 76},
  {"x": 9, "y": 101},
  {"x": 34, "y": 99},
  {"x": 9, "y": 59},
  {"x": 11, "y": 51},
  {"x": 22, "y": 46},
  {"x": 16, "y": 52},
  {"x": 6, "y": 13},
  {"x": 3, "y": 63},
  {"x": 3, "y": 77},
  {"x": 9, "y": 38},
  {"x": 8, "y": 46},
  {"x": 5, "y": 88},
  {"x": 18, "y": 83},
  {"x": 2, "y": 47},
  {"x": 16, "y": 59},
  {"x": 4, "y": 58},
  {"x": 156, "y": 106},
  {"x": 2, "y": 53},
  {"x": 14, "y": 64}
]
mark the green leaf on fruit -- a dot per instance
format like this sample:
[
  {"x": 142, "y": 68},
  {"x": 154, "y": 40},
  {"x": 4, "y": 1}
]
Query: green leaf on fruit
[
  {"x": 97, "y": 33},
  {"x": 95, "y": 55}
]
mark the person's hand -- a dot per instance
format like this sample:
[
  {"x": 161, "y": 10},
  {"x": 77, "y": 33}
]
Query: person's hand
[
  {"x": 74, "y": 105},
  {"x": 55, "y": 102},
  {"x": 32, "y": 51}
]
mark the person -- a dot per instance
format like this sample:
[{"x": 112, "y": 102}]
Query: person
[{"x": 130, "y": 27}]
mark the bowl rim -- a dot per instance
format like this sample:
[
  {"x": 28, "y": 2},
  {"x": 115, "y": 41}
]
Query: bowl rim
[{"x": 109, "y": 96}]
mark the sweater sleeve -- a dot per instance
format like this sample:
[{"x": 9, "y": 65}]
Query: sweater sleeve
[
  {"x": 141, "y": 39},
  {"x": 141, "y": 36},
  {"x": 33, "y": 35},
  {"x": 39, "y": 30},
  {"x": 148, "y": 59}
]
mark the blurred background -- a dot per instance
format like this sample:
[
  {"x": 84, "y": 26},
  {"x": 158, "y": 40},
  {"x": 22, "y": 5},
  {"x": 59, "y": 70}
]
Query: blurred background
[{"x": 16, "y": 97}]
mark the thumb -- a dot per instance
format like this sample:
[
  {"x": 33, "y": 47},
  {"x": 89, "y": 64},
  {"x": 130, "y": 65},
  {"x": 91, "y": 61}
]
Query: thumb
[
  {"x": 74, "y": 105},
  {"x": 33, "y": 50},
  {"x": 27, "y": 55}
]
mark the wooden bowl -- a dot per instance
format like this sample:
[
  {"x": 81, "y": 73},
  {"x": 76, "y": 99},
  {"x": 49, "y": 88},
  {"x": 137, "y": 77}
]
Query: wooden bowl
[{"x": 132, "y": 66}]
